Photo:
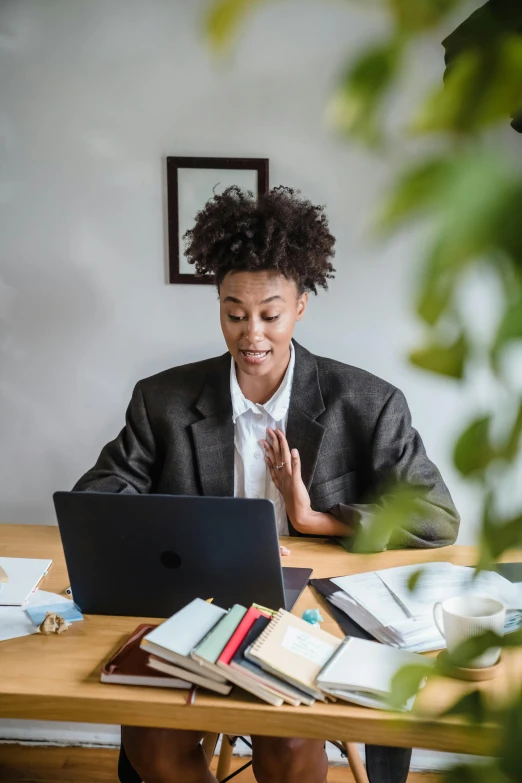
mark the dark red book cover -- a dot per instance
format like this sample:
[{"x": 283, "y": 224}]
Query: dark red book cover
[{"x": 130, "y": 660}]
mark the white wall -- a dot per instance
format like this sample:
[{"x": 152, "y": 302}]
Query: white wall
[{"x": 93, "y": 96}]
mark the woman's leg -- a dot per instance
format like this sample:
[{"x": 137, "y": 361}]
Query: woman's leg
[
  {"x": 166, "y": 755},
  {"x": 280, "y": 760}
]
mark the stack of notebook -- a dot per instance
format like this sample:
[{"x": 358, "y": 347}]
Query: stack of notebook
[
  {"x": 171, "y": 644},
  {"x": 277, "y": 657}
]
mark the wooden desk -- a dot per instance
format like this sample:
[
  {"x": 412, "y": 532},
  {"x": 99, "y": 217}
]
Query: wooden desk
[{"x": 57, "y": 677}]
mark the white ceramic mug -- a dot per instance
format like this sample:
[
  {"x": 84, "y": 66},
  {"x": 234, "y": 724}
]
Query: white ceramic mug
[{"x": 470, "y": 615}]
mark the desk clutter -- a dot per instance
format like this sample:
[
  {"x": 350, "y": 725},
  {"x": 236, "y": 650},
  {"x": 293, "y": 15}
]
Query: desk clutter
[
  {"x": 23, "y": 608},
  {"x": 380, "y": 605},
  {"x": 276, "y": 656},
  {"x": 21, "y": 575}
]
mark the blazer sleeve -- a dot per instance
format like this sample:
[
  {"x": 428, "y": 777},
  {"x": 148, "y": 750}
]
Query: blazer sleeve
[
  {"x": 126, "y": 464},
  {"x": 398, "y": 457}
]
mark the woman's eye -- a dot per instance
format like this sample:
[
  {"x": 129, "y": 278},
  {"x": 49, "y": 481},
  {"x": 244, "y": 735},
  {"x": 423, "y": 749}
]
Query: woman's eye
[{"x": 237, "y": 318}]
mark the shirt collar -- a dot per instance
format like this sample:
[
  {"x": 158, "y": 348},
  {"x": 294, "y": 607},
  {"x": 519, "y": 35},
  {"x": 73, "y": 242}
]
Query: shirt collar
[{"x": 277, "y": 406}]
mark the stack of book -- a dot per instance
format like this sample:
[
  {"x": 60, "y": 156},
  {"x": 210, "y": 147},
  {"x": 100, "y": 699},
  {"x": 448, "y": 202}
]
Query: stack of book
[{"x": 275, "y": 656}]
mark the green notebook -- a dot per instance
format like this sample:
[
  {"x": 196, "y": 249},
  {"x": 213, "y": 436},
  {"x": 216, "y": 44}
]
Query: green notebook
[{"x": 208, "y": 651}]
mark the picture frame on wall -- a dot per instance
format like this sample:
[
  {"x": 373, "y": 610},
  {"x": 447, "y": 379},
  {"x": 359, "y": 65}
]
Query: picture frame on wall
[{"x": 191, "y": 182}]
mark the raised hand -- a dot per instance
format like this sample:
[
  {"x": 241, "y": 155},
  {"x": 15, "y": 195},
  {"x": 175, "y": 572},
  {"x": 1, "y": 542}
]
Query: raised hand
[{"x": 285, "y": 469}]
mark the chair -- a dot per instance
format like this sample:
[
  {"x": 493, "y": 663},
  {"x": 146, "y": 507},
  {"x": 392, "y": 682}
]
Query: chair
[{"x": 127, "y": 773}]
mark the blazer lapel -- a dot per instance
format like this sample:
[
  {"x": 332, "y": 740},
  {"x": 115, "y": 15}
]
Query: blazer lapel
[
  {"x": 303, "y": 432},
  {"x": 214, "y": 434}
]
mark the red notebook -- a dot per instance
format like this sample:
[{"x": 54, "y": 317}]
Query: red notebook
[{"x": 237, "y": 637}]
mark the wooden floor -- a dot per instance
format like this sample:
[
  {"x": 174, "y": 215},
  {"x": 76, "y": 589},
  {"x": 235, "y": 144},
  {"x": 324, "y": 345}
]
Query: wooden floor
[{"x": 24, "y": 764}]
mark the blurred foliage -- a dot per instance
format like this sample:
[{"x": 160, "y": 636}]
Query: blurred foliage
[
  {"x": 395, "y": 506},
  {"x": 357, "y": 106},
  {"x": 469, "y": 198},
  {"x": 480, "y": 89}
]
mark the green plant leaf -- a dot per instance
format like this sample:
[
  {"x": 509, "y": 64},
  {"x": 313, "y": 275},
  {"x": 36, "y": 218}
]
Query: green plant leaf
[
  {"x": 442, "y": 359},
  {"x": 416, "y": 15},
  {"x": 397, "y": 508},
  {"x": 511, "y": 447},
  {"x": 510, "y": 755},
  {"x": 513, "y": 639},
  {"x": 355, "y": 105},
  {"x": 471, "y": 706},
  {"x": 473, "y": 450},
  {"x": 407, "y": 681},
  {"x": 502, "y": 536},
  {"x": 467, "y": 196},
  {"x": 510, "y": 327},
  {"x": 510, "y": 239},
  {"x": 413, "y": 579},
  {"x": 489, "y": 772},
  {"x": 479, "y": 190},
  {"x": 496, "y": 536},
  {"x": 224, "y": 18},
  {"x": 436, "y": 293},
  {"x": 482, "y": 86},
  {"x": 475, "y": 646},
  {"x": 417, "y": 189}
]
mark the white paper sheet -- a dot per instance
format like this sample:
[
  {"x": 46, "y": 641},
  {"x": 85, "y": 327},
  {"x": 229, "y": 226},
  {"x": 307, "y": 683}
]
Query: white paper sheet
[
  {"x": 14, "y": 620},
  {"x": 444, "y": 580},
  {"x": 373, "y": 594}
]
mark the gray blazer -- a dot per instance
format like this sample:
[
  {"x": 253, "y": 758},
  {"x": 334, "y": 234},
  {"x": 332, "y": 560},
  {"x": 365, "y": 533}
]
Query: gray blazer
[{"x": 352, "y": 429}]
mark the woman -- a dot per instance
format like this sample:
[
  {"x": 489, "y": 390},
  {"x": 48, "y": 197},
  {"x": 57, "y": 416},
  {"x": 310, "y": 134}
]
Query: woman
[{"x": 269, "y": 419}]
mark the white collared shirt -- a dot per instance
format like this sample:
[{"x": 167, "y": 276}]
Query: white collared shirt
[{"x": 251, "y": 475}]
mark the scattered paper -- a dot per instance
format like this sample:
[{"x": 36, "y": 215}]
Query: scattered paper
[
  {"x": 382, "y": 603},
  {"x": 374, "y": 595},
  {"x": 64, "y": 607},
  {"x": 439, "y": 581},
  {"x": 15, "y": 621}
]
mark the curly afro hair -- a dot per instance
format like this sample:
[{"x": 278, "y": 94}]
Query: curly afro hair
[{"x": 281, "y": 231}]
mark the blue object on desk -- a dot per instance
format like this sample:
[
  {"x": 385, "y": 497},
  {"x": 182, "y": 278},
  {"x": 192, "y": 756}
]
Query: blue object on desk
[
  {"x": 312, "y": 616},
  {"x": 69, "y": 613}
]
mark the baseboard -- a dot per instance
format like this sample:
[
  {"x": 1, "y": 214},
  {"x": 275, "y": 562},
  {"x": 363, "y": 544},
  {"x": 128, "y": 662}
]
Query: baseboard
[{"x": 89, "y": 735}]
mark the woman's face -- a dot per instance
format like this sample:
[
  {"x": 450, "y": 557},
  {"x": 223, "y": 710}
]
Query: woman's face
[{"x": 258, "y": 312}]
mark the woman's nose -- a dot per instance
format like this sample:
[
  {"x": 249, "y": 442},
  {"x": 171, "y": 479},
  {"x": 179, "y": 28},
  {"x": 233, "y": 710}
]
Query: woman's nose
[{"x": 254, "y": 330}]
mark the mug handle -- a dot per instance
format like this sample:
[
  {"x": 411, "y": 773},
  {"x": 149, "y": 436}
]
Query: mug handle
[{"x": 438, "y": 623}]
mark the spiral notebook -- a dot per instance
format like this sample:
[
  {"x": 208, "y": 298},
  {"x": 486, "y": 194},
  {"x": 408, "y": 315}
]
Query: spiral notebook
[
  {"x": 362, "y": 672},
  {"x": 294, "y": 650}
]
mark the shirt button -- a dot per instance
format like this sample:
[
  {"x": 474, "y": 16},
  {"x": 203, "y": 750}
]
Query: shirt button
[{"x": 257, "y": 454}]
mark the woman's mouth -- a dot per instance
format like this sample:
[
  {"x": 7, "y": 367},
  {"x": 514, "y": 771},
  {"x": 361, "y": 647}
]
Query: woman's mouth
[{"x": 254, "y": 357}]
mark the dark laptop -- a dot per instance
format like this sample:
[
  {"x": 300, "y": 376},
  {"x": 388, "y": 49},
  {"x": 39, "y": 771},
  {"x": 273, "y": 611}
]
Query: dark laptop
[{"x": 149, "y": 555}]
